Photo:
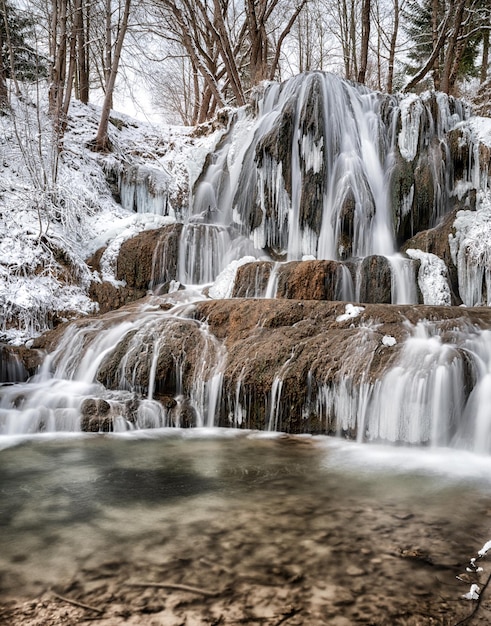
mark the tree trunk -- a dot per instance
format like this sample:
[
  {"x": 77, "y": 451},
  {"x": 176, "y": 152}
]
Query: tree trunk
[
  {"x": 392, "y": 49},
  {"x": 452, "y": 49},
  {"x": 108, "y": 48},
  {"x": 435, "y": 16},
  {"x": 225, "y": 47},
  {"x": 354, "y": 63},
  {"x": 83, "y": 74},
  {"x": 102, "y": 139},
  {"x": 4, "y": 95},
  {"x": 485, "y": 57},
  {"x": 365, "y": 38},
  {"x": 58, "y": 70}
]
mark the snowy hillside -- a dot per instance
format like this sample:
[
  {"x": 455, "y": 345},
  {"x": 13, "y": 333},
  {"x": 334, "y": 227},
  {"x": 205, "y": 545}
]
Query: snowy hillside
[{"x": 56, "y": 210}]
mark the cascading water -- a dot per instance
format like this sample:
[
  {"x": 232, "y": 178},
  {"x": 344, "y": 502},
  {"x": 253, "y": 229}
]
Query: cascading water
[
  {"x": 436, "y": 394},
  {"x": 308, "y": 196},
  {"x": 113, "y": 366}
]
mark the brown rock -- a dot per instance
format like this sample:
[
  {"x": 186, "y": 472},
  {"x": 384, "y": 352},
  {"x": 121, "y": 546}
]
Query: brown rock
[
  {"x": 309, "y": 280},
  {"x": 251, "y": 280},
  {"x": 150, "y": 257}
]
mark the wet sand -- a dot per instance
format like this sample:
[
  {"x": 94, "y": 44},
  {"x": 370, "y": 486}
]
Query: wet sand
[{"x": 232, "y": 531}]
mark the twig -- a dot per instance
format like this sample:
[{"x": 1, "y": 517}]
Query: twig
[
  {"x": 76, "y": 603},
  {"x": 478, "y": 603},
  {"x": 293, "y": 611},
  {"x": 176, "y": 586}
]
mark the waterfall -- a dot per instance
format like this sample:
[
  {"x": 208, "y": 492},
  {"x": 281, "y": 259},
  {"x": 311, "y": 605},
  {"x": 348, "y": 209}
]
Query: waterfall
[
  {"x": 315, "y": 172},
  {"x": 12, "y": 370},
  {"x": 436, "y": 394},
  {"x": 116, "y": 364},
  {"x": 304, "y": 204},
  {"x": 403, "y": 281}
]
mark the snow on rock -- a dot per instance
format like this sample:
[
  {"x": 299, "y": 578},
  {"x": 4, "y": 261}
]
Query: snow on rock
[
  {"x": 485, "y": 549},
  {"x": 223, "y": 286},
  {"x": 473, "y": 593},
  {"x": 481, "y": 126},
  {"x": 126, "y": 229},
  {"x": 470, "y": 248},
  {"x": 350, "y": 311},
  {"x": 388, "y": 341},
  {"x": 57, "y": 207},
  {"x": 29, "y": 305},
  {"x": 432, "y": 278}
]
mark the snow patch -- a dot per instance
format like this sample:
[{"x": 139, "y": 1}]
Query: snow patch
[
  {"x": 481, "y": 126},
  {"x": 388, "y": 341},
  {"x": 432, "y": 278},
  {"x": 473, "y": 593},
  {"x": 350, "y": 311},
  {"x": 485, "y": 549},
  {"x": 223, "y": 286}
]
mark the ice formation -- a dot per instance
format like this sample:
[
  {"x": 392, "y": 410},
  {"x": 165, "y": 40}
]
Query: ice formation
[{"x": 432, "y": 278}]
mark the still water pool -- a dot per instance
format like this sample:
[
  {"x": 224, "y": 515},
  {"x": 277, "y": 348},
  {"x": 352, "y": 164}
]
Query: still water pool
[{"x": 237, "y": 528}]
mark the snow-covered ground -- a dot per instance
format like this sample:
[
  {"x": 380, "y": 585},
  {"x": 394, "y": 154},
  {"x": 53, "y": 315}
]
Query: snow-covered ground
[{"x": 56, "y": 209}]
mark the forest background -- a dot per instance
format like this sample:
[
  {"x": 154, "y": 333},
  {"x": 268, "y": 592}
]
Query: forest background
[{"x": 195, "y": 57}]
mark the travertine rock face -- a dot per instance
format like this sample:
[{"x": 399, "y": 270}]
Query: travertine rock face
[
  {"x": 364, "y": 280},
  {"x": 150, "y": 257},
  {"x": 291, "y": 365},
  {"x": 144, "y": 261}
]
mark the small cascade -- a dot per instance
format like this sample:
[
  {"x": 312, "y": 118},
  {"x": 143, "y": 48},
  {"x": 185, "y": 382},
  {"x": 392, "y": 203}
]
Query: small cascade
[
  {"x": 164, "y": 263},
  {"x": 436, "y": 394},
  {"x": 403, "y": 280},
  {"x": 272, "y": 284},
  {"x": 345, "y": 289},
  {"x": 12, "y": 369},
  {"x": 108, "y": 375},
  {"x": 205, "y": 250},
  {"x": 421, "y": 400}
]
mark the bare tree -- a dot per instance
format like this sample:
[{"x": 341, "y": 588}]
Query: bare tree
[
  {"x": 365, "y": 38},
  {"x": 231, "y": 47},
  {"x": 101, "y": 142}
]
